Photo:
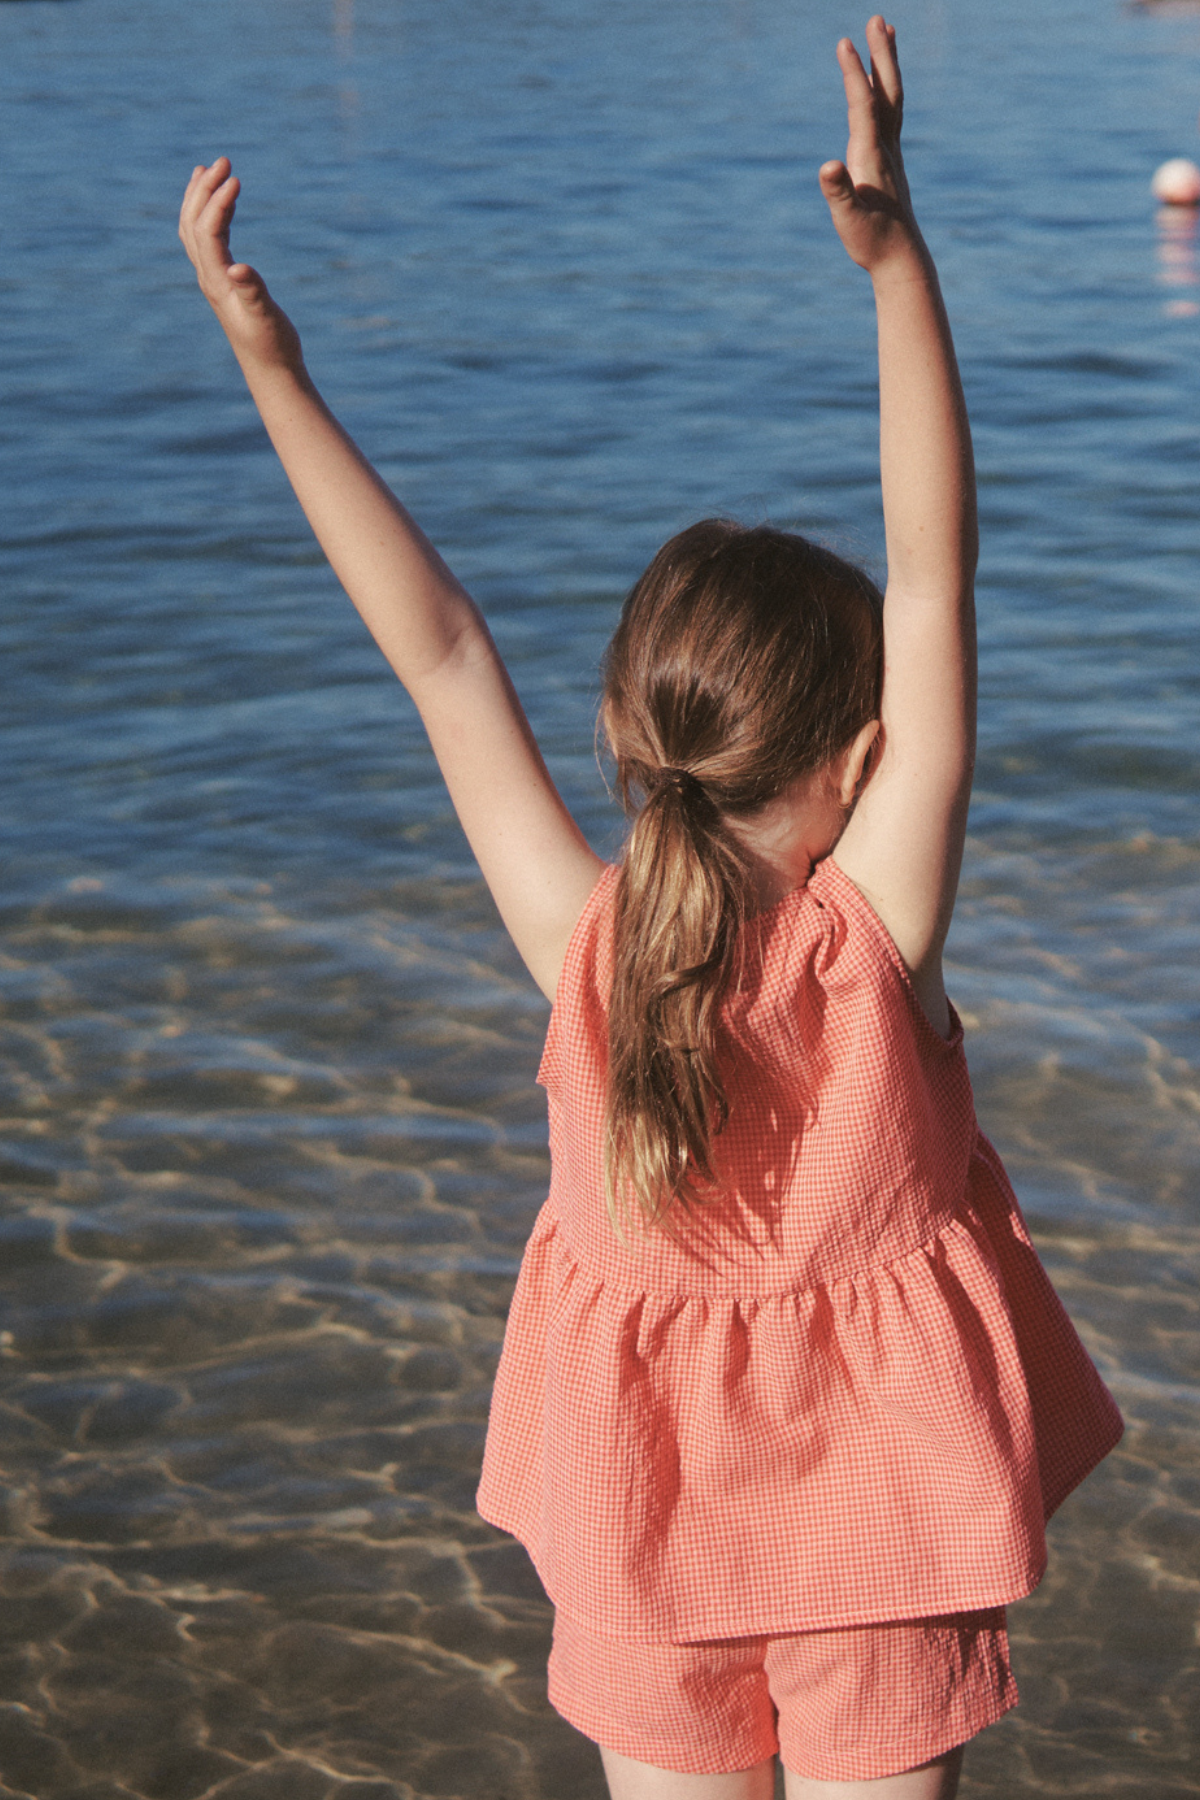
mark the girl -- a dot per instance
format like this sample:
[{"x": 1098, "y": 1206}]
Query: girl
[{"x": 786, "y": 1397}]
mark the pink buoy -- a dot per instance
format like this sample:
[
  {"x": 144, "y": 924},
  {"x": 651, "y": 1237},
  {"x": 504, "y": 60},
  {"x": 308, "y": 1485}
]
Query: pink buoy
[{"x": 1177, "y": 183}]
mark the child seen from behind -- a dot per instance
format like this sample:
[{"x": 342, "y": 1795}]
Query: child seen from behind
[{"x": 786, "y": 1397}]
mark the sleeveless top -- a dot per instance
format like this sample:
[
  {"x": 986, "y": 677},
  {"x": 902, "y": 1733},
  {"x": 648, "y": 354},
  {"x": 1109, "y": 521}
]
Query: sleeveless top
[{"x": 841, "y": 1392}]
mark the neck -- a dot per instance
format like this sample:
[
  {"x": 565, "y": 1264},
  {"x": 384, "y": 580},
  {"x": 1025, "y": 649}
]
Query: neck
[{"x": 785, "y": 839}]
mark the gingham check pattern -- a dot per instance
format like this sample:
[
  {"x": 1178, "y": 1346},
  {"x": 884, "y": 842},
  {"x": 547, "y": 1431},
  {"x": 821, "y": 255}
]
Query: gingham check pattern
[
  {"x": 843, "y": 1392},
  {"x": 850, "y": 1705}
]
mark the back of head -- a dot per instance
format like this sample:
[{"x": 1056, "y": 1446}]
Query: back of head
[{"x": 745, "y": 659}]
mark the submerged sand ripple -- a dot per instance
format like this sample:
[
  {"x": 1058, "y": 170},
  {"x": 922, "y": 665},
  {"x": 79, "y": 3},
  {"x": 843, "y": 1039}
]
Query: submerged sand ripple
[{"x": 266, "y": 1175}]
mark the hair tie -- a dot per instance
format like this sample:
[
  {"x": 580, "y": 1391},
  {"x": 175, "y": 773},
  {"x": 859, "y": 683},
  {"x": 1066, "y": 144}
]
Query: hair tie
[{"x": 687, "y": 784}]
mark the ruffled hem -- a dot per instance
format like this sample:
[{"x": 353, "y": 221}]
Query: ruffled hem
[{"x": 885, "y": 1446}]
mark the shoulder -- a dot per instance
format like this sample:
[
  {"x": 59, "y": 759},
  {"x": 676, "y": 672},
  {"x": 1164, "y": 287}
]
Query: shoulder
[
  {"x": 866, "y": 952},
  {"x": 581, "y": 995},
  {"x": 593, "y": 927},
  {"x": 859, "y": 929}
]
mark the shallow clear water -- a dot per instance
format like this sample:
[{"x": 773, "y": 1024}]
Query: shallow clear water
[{"x": 270, "y": 1137}]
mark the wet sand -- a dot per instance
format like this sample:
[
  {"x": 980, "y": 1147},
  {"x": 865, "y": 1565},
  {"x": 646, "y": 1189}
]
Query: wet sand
[{"x": 267, "y": 1185}]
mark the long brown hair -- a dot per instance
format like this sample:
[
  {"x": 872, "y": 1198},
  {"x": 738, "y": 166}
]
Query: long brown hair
[{"x": 745, "y": 658}]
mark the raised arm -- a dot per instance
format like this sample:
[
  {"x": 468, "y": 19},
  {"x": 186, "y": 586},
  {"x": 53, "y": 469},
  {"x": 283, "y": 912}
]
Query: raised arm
[
  {"x": 532, "y": 854},
  {"x": 903, "y": 845}
]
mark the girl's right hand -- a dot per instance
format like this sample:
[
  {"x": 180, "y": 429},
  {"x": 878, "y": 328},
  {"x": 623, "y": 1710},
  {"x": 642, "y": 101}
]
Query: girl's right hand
[
  {"x": 259, "y": 331},
  {"x": 868, "y": 193}
]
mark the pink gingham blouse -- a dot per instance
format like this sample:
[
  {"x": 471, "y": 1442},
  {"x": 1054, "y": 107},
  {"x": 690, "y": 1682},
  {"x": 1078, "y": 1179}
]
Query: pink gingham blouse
[{"x": 844, "y": 1391}]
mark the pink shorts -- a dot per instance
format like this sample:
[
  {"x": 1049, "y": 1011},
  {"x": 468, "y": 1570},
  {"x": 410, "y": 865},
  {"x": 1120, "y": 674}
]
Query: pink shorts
[{"x": 848, "y": 1705}]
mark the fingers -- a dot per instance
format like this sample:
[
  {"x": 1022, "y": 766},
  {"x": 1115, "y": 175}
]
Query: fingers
[
  {"x": 249, "y": 284},
  {"x": 842, "y": 198},
  {"x": 863, "y": 154},
  {"x": 201, "y": 188},
  {"x": 885, "y": 73},
  {"x": 836, "y": 184},
  {"x": 860, "y": 97},
  {"x": 882, "y": 89},
  {"x": 206, "y": 215},
  {"x": 874, "y": 103},
  {"x": 216, "y": 216}
]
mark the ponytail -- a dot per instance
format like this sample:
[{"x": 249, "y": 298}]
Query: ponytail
[{"x": 681, "y": 899}]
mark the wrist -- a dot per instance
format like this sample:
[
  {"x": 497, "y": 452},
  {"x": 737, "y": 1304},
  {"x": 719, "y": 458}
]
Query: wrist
[
  {"x": 272, "y": 362},
  {"x": 905, "y": 262},
  {"x": 273, "y": 379}
]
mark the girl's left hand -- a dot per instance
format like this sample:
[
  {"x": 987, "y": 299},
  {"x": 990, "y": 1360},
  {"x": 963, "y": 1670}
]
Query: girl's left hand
[{"x": 868, "y": 193}]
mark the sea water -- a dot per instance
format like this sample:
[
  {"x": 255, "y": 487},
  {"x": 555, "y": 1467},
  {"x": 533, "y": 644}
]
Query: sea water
[{"x": 271, "y": 1140}]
